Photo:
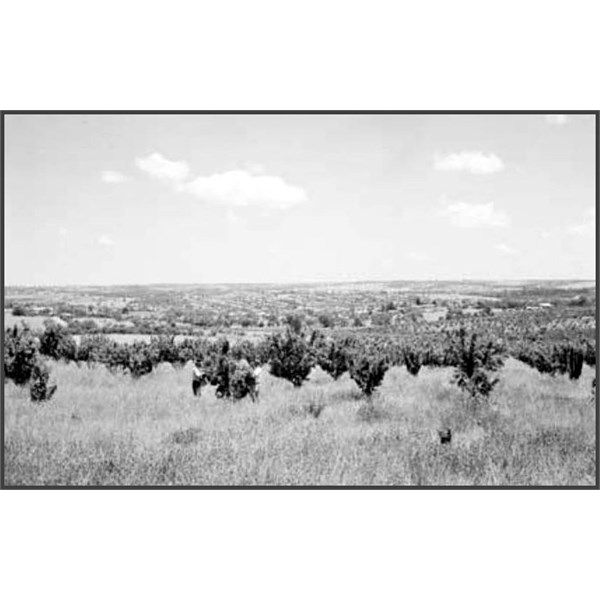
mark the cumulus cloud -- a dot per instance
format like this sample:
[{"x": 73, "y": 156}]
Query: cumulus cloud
[
  {"x": 587, "y": 228},
  {"x": 242, "y": 188},
  {"x": 463, "y": 214},
  {"x": 157, "y": 166},
  {"x": 113, "y": 177},
  {"x": 472, "y": 162},
  {"x": 505, "y": 249},
  {"x": 105, "y": 240},
  {"x": 249, "y": 187},
  {"x": 557, "y": 119}
]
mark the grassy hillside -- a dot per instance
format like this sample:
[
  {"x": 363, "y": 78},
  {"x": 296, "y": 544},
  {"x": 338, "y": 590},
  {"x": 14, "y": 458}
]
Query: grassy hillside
[{"x": 106, "y": 429}]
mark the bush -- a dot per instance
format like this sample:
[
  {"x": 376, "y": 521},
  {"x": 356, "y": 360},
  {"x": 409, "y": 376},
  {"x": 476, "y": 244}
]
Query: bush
[
  {"x": 19, "y": 311},
  {"x": 117, "y": 357},
  {"x": 368, "y": 366},
  {"x": 295, "y": 323},
  {"x": 569, "y": 358},
  {"x": 242, "y": 381},
  {"x": 474, "y": 361},
  {"x": 290, "y": 356},
  {"x": 331, "y": 355},
  {"x": 412, "y": 360},
  {"x": 245, "y": 350},
  {"x": 192, "y": 349},
  {"x": 95, "y": 348},
  {"x": 140, "y": 360},
  {"x": 39, "y": 389},
  {"x": 216, "y": 363},
  {"x": 20, "y": 354},
  {"x": 57, "y": 343},
  {"x": 565, "y": 357},
  {"x": 164, "y": 349},
  {"x": 589, "y": 354}
]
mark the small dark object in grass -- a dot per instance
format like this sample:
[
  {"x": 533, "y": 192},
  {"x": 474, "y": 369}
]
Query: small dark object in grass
[
  {"x": 445, "y": 436},
  {"x": 315, "y": 409}
]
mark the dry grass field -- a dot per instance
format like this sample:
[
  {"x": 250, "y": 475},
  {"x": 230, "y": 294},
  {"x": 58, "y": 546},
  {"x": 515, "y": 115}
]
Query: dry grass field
[{"x": 105, "y": 429}]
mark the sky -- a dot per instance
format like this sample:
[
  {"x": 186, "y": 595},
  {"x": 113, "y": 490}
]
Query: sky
[{"x": 134, "y": 199}]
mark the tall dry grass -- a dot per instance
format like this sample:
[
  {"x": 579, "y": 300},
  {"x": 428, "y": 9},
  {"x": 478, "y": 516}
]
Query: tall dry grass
[{"x": 106, "y": 429}]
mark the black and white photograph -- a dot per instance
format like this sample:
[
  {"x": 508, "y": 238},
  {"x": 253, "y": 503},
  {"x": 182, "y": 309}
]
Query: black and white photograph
[{"x": 299, "y": 299}]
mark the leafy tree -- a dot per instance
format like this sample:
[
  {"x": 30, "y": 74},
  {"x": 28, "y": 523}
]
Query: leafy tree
[
  {"x": 95, "y": 348},
  {"x": 164, "y": 349},
  {"x": 290, "y": 356},
  {"x": 474, "y": 361},
  {"x": 412, "y": 360},
  {"x": 368, "y": 365},
  {"x": 20, "y": 354},
  {"x": 57, "y": 343},
  {"x": 295, "y": 323},
  {"x": 140, "y": 359},
  {"x": 246, "y": 350},
  {"x": 39, "y": 389},
  {"x": 331, "y": 355},
  {"x": 242, "y": 381}
]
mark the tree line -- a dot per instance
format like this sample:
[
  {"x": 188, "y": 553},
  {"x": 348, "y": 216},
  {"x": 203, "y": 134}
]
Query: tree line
[{"x": 292, "y": 354}]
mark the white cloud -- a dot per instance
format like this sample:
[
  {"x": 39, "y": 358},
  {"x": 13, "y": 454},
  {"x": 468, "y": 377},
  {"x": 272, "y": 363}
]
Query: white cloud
[
  {"x": 242, "y": 188},
  {"x": 105, "y": 240},
  {"x": 557, "y": 119},
  {"x": 473, "y": 162},
  {"x": 113, "y": 177},
  {"x": 63, "y": 231},
  {"x": 587, "y": 228},
  {"x": 463, "y": 214},
  {"x": 505, "y": 249},
  {"x": 248, "y": 187},
  {"x": 157, "y": 166}
]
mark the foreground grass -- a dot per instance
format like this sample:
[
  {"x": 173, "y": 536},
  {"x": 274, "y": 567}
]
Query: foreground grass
[{"x": 105, "y": 429}]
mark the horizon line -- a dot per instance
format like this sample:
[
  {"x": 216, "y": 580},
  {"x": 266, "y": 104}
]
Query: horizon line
[{"x": 307, "y": 282}]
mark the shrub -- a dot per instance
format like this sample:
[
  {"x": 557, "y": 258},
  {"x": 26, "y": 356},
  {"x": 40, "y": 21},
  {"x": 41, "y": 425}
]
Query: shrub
[
  {"x": 569, "y": 358},
  {"x": 140, "y": 359},
  {"x": 412, "y": 360},
  {"x": 39, "y": 389},
  {"x": 290, "y": 356},
  {"x": 117, "y": 357},
  {"x": 57, "y": 343},
  {"x": 216, "y": 363},
  {"x": 295, "y": 323},
  {"x": 20, "y": 354},
  {"x": 164, "y": 349},
  {"x": 474, "y": 361},
  {"x": 589, "y": 354},
  {"x": 331, "y": 355},
  {"x": 368, "y": 366},
  {"x": 94, "y": 348},
  {"x": 192, "y": 349},
  {"x": 242, "y": 381},
  {"x": 245, "y": 350},
  {"x": 19, "y": 311}
]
